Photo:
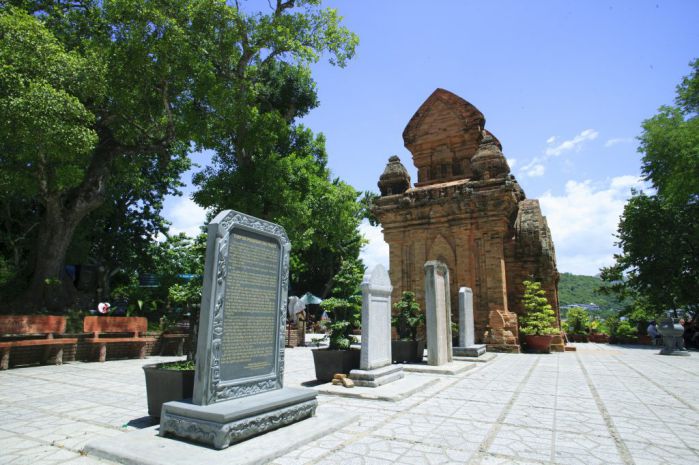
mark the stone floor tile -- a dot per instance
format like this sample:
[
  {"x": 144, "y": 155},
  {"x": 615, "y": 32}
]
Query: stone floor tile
[
  {"x": 530, "y": 417},
  {"x": 660, "y": 452},
  {"x": 523, "y": 443},
  {"x": 84, "y": 460},
  {"x": 422, "y": 454},
  {"x": 411, "y": 427},
  {"x": 575, "y": 448},
  {"x": 23, "y": 451},
  {"x": 528, "y": 400},
  {"x": 478, "y": 411},
  {"x": 302, "y": 455},
  {"x": 590, "y": 422},
  {"x": 628, "y": 409},
  {"x": 346, "y": 458},
  {"x": 576, "y": 404},
  {"x": 377, "y": 447},
  {"x": 493, "y": 459}
]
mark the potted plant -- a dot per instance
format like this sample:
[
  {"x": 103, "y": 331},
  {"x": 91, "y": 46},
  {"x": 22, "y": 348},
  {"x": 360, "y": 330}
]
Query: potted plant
[
  {"x": 538, "y": 324},
  {"x": 407, "y": 321},
  {"x": 170, "y": 381},
  {"x": 621, "y": 331},
  {"x": 577, "y": 324},
  {"x": 338, "y": 357}
]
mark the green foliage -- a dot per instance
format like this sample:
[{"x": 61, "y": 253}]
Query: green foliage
[
  {"x": 345, "y": 307},
  {"x": 660, "y": 270},
  {"x": 113, "y": 93},
  {"x": 345, "y": 316},
  {"x": 184, "y": 365},
  {"x": 620, "y": 329},
  {"x": 290, "y": 184},
  {"x": 539, "y": 319},
  {"x": 409, "y": 317},
  {"x": 670, "y": 143},
  {"x": 348, "y": 279},
  {"x": 577, "y": 321},
  {"x": 580, "y": 289}
]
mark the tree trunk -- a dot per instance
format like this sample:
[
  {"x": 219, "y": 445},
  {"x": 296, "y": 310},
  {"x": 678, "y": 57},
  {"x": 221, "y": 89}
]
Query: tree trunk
[{"x": 49, "y": 287}]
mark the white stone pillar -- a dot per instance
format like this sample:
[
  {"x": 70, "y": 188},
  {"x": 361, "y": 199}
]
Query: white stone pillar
[
  {"x": 375, "y": 368},
  {"x": 376, "y": 319},
  {"x": 437, "y": 313}
]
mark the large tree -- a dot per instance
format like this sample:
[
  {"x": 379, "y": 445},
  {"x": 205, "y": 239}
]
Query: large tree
[
  {"x": 87, "y": 85},
  {"x": 659, "y": 232}
]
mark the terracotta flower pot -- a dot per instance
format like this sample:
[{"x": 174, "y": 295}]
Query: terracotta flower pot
[{"x": 538, "y": 344}]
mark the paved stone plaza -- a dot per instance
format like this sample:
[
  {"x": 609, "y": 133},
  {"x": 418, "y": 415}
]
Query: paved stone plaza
[{"x": 594, "y": 406}]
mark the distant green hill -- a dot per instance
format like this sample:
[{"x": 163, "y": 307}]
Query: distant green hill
[{"x": 580, "y": 289}]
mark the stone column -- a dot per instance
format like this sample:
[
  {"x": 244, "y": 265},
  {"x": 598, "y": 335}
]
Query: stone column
[
  {"x": 466, "y": 317},
  {"x": 376, "y": 319},
  {"x": 375, "y": 360},
  {"x": 437, "y": 313},
  {"x": 467, "y": 346}
]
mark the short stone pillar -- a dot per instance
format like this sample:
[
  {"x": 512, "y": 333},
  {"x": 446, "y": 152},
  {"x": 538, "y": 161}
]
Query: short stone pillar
[
  {"x": 467, "y": 344},
  {"x": 437, "y": 313},
  {"x": 673, "y": 342},
  {"x": 375, "y": 360}
]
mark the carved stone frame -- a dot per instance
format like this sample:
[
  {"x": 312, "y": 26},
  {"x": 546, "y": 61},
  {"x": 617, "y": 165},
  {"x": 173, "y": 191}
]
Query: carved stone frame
[{"x": 209, "y": 388}]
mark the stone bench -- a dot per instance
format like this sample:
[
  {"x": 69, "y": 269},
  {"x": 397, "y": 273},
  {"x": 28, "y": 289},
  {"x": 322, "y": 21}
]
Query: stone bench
[
  {"x": 33, "y": 331},
  {"x": 106, "y": 330},
  {"x": 168, "y": 339}
]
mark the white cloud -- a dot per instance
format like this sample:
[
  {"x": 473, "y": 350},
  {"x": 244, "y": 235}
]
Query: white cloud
[
  {"x": 533, "y": 169},
  {"x": 536, "y": 166},
  {"x": 186, "y": 216},
  {"x": 376, "y": 251},
  {"x": 618, "y": 140},
  {"x": 573, "y": 144},
  {"x": 584, "y": 220},
  {"x": 511, "y": 162}
]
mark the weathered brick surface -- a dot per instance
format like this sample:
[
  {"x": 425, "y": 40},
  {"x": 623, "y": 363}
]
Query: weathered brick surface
[{"x": 469, "y": 212}]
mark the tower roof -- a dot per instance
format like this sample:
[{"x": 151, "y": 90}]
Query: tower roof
[{"x": 462, "y": 112}]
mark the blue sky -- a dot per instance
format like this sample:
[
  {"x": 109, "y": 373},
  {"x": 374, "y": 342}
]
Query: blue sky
[{"x": 563, "y": 85}]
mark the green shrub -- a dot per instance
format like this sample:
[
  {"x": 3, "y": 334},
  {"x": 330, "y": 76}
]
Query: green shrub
[
  {"x": 620, "y": 329},
  {"x": 409, "y": 317},
  {"x": 345, "y": 315},
  {"x": 539, "y": 319},
  {"x": 578, "y": 321}
]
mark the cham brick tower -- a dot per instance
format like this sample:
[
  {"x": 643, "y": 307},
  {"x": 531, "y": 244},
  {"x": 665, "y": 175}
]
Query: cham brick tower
[{"x": 469, "y": 212}]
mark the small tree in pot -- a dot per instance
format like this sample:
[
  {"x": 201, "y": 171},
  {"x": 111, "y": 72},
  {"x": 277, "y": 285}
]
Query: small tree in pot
[
  {"x": 345, "y": 316},
  {"x": 538, "y": 324},
  {"x": 175, "y": 380},
  {"x": 407, "y": 321},
  {"x": 577, "y": 324}
]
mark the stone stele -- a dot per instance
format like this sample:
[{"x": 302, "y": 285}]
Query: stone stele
[
  {"x": 469, "y": 212},
  {"x": 375, "y": 361},
  {"x": 238, "y": 386},
  {"x": 467, "y": 346},
  {"x": 437, "y": 313}
]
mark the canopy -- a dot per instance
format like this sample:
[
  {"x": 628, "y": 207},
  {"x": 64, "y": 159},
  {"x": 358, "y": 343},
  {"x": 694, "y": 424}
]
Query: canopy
[{"x": 310, "y": 299}]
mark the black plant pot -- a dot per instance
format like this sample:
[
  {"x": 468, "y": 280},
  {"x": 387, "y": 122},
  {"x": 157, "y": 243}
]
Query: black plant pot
[
  {"x": 330, "y": 362},
  {"x": 163, "y": 385},
  {"x": 407, "y": 351}
]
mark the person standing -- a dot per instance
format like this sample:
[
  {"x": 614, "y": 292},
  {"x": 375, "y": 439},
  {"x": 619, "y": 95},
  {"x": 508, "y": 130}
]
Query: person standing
[
  {"x": 300, "y": 315},
  {"x": 652, "y": 331}
]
